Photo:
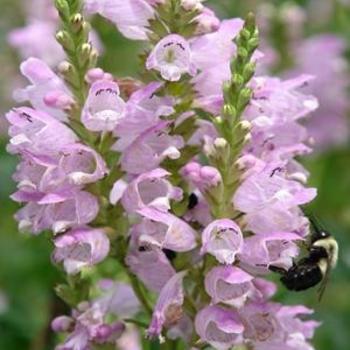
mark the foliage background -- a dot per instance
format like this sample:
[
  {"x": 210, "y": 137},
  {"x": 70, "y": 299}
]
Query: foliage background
[{"x": 27, "y": 278}]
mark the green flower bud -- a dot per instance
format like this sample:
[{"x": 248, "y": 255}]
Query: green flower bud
[
  {"x": 242, "y": 53},
  {"x": 220, "y": 143},
  {"x": 65, "y": 40},
  {"x": 62, "y": 8},
  {"x": 65, "y": 67},
  {"x": 69, "y": 73},
  {"x": 250, "y": 22},
  {"x": 237, "y": 79},
  {"x": 85, "y": 53},
  {"x": 244, "y": 98},
  {"x": 77, "y": 22},
  {"x": 245, "y": 125},
  {"x": 249, "y": 71},
  {"x": 93, "y": 58},
  {"x": 245, "y": 34},
  {"x": 229, "y": 111},
  {"x": 247, "y": 138},
  {"x": 253, "y": 44}
]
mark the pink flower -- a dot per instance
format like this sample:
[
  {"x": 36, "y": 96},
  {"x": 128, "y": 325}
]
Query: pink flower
[
  {"x": 166, "y": 231},
  {"x": 229, "y": 285},
  {"x": 149, "y": 149},
  {"x": 80, "y": 248},
  {"x": 219, "y": 327},
  {"x": 150, "y": 189},
  {"x": 103, "y": 108},
  {"x": 168, "y": 310},
  {"x": 172, "y": 58},
  {"x": 148, "y": 262},
  {"x": 130, "y": 16},
  {"x": 261, "y": 251},
  {"x": 47, "y": 91},
  {"x": 37, "y": 132},
  {"x": 222, "y": 239}
]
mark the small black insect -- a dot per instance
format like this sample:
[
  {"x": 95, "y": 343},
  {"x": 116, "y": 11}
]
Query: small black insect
[
  {"x": 192, "y": 201},
  {"x": 316, "y": 266}
]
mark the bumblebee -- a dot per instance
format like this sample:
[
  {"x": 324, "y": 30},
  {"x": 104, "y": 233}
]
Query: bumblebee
[{"x": 316, "y": 266}]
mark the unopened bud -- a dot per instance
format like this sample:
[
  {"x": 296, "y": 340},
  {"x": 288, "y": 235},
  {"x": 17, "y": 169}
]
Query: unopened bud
[
  {"x": 229, "y": 111},
  {"x": 191, "y": 5},
  {"x": 62, "y": 324},
  {"x": 94, "y": 74},
  {"x": 245, "y": 125},
  {"x": 237, "y": 79},
  {"x": 85, "y": 31},
  {"x": 245, "y": 34},
  {"x": 247, "y": 138},
  {"x": 249, "y": 71},
  {"x": 93, "y": 58},
  {"x": 218, "y": 120},
  {"x": 253, "y": 43},
  {"x": 220, "y": 142},
  {"x": 83, "y": 306},
  {"x": 242, "y": 52},
  {"x": 244, "y": 98},
  {"x": 65, "y": 67},
  {"x": 250, "y": 23},
  {"x": 77, "y": 22},
  {"x": 65, "y": 40},
  {"x": 85, "y": 52},
  {"x": 63, "y": 8}
]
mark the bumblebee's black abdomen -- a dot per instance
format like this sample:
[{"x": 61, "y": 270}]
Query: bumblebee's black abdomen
[{"x": 301, "y": 277}]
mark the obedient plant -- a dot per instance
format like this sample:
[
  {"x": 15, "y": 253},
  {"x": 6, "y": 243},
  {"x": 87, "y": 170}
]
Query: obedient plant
[{"x": 166, "y": 199}]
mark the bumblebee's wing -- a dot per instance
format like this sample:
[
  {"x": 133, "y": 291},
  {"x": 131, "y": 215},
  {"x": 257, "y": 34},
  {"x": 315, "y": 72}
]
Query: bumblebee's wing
[{"x": 324, "y": 281}]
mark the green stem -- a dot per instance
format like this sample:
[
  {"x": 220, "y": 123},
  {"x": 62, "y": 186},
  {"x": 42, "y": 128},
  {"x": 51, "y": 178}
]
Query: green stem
[{"x": 139, "y": 292}]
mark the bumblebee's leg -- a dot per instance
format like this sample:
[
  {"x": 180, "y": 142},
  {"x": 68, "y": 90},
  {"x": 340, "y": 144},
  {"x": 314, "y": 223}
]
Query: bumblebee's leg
[{"x": 277, "y": 269}]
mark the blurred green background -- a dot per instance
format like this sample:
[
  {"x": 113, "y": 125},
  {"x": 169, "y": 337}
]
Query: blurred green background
[{"x": 27, "y": 277}]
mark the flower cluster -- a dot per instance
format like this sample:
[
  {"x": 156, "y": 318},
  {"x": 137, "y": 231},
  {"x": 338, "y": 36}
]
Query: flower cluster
[
  {"x": 320, "y": 55},
  {"x": 37, "y": 37},
  {"x": 188, "y": 183}
]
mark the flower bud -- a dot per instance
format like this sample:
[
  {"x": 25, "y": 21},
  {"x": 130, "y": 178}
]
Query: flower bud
[
  {"x": 62, "y": 324},
  {"x": 229, "y": 111},
  {"x": 63, "y": 8},
  {"x": 94, "y": 74},
  {"x": 247, "y": 138},
  {"x": 245, "y": 125},
  {"x": 191, "y": 5},
  {"x": 77, "y": 22},
  {"x": 253, "y": 44},
  {"x": 65, "y": 67},
  {"x": 242, "y": 53},
  {"x": 249, "y": 71},
  {"x": 220, "y": 142},
  {"x": 65, "y": 40},
  {"x": 85, "y": 52},
  {"x": 244, "y": 98}
]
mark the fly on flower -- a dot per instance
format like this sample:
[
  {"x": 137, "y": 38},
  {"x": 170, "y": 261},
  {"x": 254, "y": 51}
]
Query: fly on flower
[{"x": 316, "y": 266}]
